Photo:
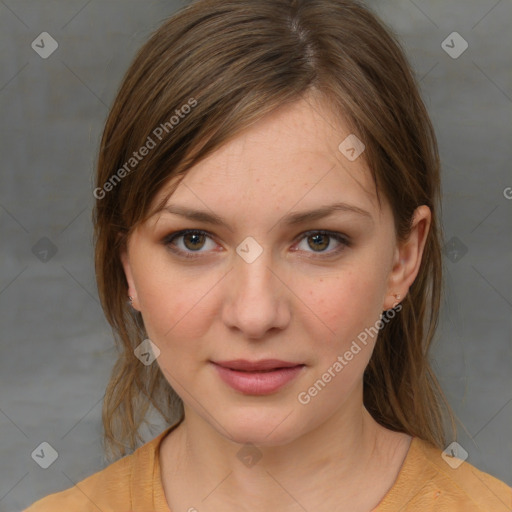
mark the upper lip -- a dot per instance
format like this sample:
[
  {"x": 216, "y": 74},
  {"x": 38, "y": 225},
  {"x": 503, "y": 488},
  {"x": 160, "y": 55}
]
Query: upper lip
[{"x": 248, "y": 366}]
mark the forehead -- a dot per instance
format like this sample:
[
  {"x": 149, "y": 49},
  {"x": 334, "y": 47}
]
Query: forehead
[{"x": 290, "y": 157}]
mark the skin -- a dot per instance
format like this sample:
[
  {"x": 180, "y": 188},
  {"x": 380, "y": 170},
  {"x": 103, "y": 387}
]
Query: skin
[{"x": 296, "y": 302}]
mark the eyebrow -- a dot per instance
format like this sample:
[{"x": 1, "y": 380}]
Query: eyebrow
[{"x": 289, "y": 220}]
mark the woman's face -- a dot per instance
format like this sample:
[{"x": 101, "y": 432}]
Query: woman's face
[{"x": 269, "y": 283}]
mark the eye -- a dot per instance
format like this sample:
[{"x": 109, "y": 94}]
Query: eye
[
  {"x": 193, "y": 240},
  {"x": 321, "y": 240},
  {"x": 188, "y": 243}
]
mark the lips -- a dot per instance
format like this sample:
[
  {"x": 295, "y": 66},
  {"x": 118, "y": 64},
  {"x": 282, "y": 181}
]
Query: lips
[
  {"x": 266, "y": 365},
  {"x": 257, "y": 377}
]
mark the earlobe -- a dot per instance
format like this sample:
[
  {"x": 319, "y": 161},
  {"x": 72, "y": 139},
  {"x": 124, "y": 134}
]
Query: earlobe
[{"x": 408, "y": 257}]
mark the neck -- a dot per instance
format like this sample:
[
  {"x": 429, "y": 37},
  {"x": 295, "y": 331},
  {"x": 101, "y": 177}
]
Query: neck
[{"x": 342, "y": 454}]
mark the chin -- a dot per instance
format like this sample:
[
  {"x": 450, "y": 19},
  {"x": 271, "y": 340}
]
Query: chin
[{"x": 259, "y": 428}]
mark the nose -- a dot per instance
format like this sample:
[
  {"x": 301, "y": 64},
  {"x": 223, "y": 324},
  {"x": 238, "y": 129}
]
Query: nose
[{"x": 257, "y": 298}]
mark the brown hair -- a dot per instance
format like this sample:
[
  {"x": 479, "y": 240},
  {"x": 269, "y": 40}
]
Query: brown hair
[{"x": 239, "y": 60}]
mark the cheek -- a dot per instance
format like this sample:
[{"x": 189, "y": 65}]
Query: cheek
[
  {"x": 343, "y": 306},
  {"x": 174, "y": 304},
  {"x": 174, "y": 310},
  {"x": 349, "y": 305}
]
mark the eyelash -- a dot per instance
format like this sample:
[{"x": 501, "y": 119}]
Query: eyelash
[{"x": 167, "y": 241}]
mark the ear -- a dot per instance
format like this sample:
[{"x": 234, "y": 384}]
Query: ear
[
  {"x": 132, "y": 291},
  {"x": 407, "y": 259}
]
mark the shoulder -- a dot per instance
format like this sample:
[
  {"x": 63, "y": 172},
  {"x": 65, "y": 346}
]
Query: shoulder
[
  {"x": 451, "y": 485},
  {"x": 99, "y": 491},
  {"x": 107, "y": 490}
]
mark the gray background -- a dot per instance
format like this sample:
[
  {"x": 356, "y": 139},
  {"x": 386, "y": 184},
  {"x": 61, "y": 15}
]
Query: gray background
[{"x": 57, "y": 349}]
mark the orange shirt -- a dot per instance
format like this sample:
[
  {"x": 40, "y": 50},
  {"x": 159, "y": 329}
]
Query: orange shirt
[{"x": 425, "y": 483}]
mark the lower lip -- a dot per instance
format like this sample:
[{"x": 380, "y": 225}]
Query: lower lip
[{"x": 258, "y": 383}]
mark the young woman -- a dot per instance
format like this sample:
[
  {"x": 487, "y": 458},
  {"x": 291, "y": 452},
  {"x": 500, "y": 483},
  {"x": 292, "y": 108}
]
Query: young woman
[{"x": 268, "y": 198}]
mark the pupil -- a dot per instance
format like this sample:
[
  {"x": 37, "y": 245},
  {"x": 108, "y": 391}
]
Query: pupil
[
  {"x": 195, "y": 241},
  {"x": 316, "y": 238}
]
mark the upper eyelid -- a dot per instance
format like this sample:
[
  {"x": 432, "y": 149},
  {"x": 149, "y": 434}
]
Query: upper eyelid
[
  {"x": 184, "y": 232},
  {"x": 333, "y": 234}
]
